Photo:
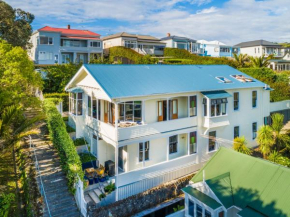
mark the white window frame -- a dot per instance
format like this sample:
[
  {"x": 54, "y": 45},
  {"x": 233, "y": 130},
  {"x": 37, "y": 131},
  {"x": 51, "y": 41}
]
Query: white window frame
[
  {"x": 143, "y": 152},
  {"x": 177, "y": 141},
  {"x": 45, "y": 56},
  {"x": 48, "y": 37},
  {"x": 92, "y": 42}
]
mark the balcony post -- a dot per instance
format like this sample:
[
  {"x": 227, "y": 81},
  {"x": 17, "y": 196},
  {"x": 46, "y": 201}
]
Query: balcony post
[
  {"x": 167, "y": 109},
  {"x": 188, "y": 143},
  {"x": 188, "y": 106},
  {"x": 116, "y": 151},
  {"x": 167, "y": 150},
  {"x": 97, "y": 111},
  {"x": 143, "y": 111}
]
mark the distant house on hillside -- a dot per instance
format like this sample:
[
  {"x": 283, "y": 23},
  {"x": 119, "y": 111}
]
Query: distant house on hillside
[
  {"x": 237, "y": 185},
  {"x": 191, "y": 45},
  {"x": 143, "y": 44},
  {"x": 60, "y": 45},
  {"x": 218, "y": 49},
  {"x": 281, "y": 60}
]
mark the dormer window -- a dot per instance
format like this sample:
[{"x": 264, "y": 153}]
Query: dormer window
[
  {"x": 242, "y": 78},
  {"x": 224, "y": 80}
]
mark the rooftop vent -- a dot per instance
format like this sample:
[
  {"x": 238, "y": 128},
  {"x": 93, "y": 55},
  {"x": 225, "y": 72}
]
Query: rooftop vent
[
  {"x": 242, "y": 78},
  {"x": 224, "y": 80},
  {"x": 68, "y": 26}
]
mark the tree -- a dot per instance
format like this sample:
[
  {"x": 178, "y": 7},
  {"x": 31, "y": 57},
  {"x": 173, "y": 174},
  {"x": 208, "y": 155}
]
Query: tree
[
  {"x": 57, "y": 76},
  {"x": 260, "y": 62},
  {"x": 241, "y": 59},
  {"x": 240, "y": 145},
  {"x": 265, "y": 140},
  {"x": 18, "y": 79},
  {"x": 15, "y": 25}
]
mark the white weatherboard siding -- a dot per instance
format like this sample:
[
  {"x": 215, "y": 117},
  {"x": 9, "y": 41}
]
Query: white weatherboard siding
[{"x": 161, "y": 166}]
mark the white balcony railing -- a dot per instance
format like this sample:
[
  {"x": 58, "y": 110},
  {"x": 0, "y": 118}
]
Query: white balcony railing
[
  {"x": 155, "y": 128},
  {"x": 212, "y": 122}
]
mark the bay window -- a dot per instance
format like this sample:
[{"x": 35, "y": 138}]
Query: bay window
[
  {"x": 80, "y": 104},
  {"x": 218, "y": 107}
]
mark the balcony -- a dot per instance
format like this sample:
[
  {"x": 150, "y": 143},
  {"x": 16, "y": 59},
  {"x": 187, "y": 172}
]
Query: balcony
[
  {"x": 155, "y": 128},
  {"x": 218, "y": 121}
]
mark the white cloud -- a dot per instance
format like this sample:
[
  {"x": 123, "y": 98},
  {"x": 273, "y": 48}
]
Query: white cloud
[
  {"x": 234, "y": 22},
  {"x": 207, "y": 10}
]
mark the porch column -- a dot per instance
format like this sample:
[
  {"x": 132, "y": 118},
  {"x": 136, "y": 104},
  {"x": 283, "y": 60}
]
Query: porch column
[
  {"x": 188, "y": 143},
  {"x": 167, "y": 150},
  {"x": 116, "y": 151},
  {"x": 143, "y": 111},
  {"x": 97, "y": 115},
  {"x": 208, "y": 107},
  {"x": 188, "y": 106}
]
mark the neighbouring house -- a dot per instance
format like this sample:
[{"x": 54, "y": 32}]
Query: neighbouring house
[
  {"x": 218, "y": 49},
  {"x": 62, "y": 45},
  {"x": 280, "y": 64},
  {"x": 188, "y": 44},
  {"x": 232, "y": 184},
  {"x": 259, "y": 47},
  {"x": 143, "y": 44},
  {"x": 156, "y": 123}
]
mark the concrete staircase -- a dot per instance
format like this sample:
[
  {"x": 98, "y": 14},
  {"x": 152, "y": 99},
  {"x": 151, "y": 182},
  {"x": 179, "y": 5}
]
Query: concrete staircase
[
  {"x": 60, "y": 201},
  {"x": 93, "y": 192}
]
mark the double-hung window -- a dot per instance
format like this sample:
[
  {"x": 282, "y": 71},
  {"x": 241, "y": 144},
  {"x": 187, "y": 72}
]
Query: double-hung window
[
  {"x": 198, "y": 211},
  {"x": 254, "y": 99},
  {"x": 236, "y": 101},
  {"x": 207, "y": 213},
  {"x": 192, "y": 143},
  {"x": 212, "y": 141},
  {"x": 193, "y": 107},
  {"x": 236, "y": 131},
  {"x": 130, "y": 111},
  {"x": 76, "y": 103},
  {"x": 254, "y": 129},
  {"x": 173, "y": 142},
  {"x": 143, "y": 151}
]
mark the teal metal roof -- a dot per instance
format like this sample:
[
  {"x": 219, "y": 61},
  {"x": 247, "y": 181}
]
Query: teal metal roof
[
  {"x": 212, "y": 203},
  {"x": 142, "y": 80},
  {"x": 76, "y": 90},
  {"x": 216, "y": 94}
]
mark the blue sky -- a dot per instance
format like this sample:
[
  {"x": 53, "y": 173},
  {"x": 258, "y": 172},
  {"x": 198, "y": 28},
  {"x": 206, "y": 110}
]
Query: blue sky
[{"x": 229, "y": 21}]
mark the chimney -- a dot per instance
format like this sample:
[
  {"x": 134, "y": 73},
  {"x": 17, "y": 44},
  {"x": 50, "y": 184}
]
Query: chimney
[
  {"x": 68, "y": 26},
  {"x": 168, "y": 34}
]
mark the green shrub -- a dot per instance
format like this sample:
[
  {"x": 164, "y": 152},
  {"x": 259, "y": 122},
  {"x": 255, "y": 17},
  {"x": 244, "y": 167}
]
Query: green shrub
[
  {"x": 102, "y": 196},
  {"x": 110, "y": 188},
  {"x": 6, "y": 201},
  {"x": 63, "y": 96},
  {"x": 87, "y": 157},
  {"x": 80, "y": 141},
  {"x": 132, "y": 55},
  {"x": 69, "y": 157},
  {"x": 69, "y": 129},
  {"x": 65, "y": 118}
]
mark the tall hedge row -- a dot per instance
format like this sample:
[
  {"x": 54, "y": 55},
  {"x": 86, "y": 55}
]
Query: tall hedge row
[
  {"x": 137, "y": 58},
  {"x": 181, "y": 56},
  {"x": 63, "y": 96},
  {"x": 277, "y": 81},
  {"x": 69, "y": 157}
]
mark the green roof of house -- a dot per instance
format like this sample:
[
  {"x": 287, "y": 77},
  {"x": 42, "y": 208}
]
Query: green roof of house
[
  {"x": 202, "y": 197},
  {"x": 246, "y": 181}
]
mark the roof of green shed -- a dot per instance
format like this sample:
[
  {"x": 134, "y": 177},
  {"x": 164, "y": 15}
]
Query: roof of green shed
[
  {"x": 256, "y": 183},
  {"x": 202, "y": 197}
]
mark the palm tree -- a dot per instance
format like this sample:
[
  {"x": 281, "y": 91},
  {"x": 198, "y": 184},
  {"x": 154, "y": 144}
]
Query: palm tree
[
  {"x": 240, "y": 145},
  {"x": 259, "y": 62},
  {"x": 241, "y": 59},
  {"x": 275, "y": 157},
  {"x": 265, "y": 139}
]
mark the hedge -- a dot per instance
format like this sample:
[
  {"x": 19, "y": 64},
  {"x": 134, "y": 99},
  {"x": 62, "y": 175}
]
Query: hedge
[
  {"x": 63, "y": 96},
  {"x": 181, "y": 56},
  {"x": 278, "y": 81},
  {"x": 69, "y": 157},
  {"x": 132, "y": 55}
]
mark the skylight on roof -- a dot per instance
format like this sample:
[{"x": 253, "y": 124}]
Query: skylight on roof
[
  {"x": 242, "y": 78},
  {"x": 223, "y": 79}
]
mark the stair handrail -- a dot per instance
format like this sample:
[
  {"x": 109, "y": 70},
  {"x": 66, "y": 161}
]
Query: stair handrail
[{"x": 41, "y": 182}]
